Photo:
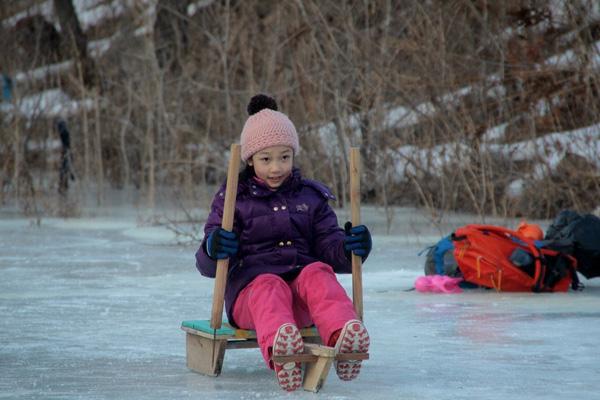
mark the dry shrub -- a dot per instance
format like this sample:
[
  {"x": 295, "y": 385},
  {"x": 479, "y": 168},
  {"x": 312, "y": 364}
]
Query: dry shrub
[
  {"x": 574, "y": 184},
  {"x": 168, "y": 104}
]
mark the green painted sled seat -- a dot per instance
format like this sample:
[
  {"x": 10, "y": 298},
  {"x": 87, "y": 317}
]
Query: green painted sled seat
[{"x": 201, "y": 327}]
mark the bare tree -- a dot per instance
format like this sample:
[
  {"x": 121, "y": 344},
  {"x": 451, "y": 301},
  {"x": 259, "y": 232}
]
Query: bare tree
[{"x": 76, "y": 39}]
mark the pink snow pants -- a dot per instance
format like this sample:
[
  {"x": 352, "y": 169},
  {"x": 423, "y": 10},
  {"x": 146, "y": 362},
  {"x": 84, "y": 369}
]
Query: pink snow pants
[{"x": 315, "y": 296}]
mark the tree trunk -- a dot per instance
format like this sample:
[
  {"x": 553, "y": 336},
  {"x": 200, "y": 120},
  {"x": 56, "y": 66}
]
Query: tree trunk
[
  {"x": 150, "y": 152},
  {"x": 76, "y": 39},
  {"x": 98, "y": 146},
  {"x": 19, "y": 156}
]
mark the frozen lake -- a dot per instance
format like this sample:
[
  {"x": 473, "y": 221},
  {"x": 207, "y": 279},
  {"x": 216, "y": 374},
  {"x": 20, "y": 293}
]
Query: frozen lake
[{"x": 90, "y": 308}]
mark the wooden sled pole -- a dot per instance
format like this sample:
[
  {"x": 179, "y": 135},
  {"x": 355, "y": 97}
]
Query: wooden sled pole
[
  {"x": 227, "y": 223},
  {"x": 357, "y": 295}
]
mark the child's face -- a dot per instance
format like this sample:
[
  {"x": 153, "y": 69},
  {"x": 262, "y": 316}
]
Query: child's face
[{"x": 273, "y": 164}]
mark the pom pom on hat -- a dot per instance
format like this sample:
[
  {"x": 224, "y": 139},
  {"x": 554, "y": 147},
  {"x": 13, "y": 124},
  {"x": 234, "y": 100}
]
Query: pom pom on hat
[
  {"x": 266, "y": 127},
  {"x": 260, "y": 102}
]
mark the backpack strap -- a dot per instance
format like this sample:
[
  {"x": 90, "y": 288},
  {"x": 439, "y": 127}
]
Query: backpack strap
[
  {"x": 564, "y": 247},
  {"x": 539, "y": 286},
  {"x": 572, "y": 267},
  {"x": 560, "y": 245},
  {"x": 575, "y": 282}
]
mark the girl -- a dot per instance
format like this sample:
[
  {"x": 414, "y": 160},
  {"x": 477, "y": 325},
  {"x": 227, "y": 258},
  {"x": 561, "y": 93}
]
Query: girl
[{"x": 284, "y": 251}]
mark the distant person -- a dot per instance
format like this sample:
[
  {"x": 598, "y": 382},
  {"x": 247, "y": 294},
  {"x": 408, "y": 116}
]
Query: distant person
[
  {"x": 284, "y": 251},
  {"x": 65, "y": 172},
  {"x": 7, "y": 86}
]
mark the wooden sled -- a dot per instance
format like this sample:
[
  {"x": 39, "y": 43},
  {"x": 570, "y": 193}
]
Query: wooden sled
[
  {"x": 205, "y": 351},
  {"x": 207, "y": 340}
]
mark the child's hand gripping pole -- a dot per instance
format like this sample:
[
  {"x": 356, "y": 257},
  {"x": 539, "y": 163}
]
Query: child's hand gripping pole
[
  {"x": 357, "y": 297},
  {"x": 227, "y": 223}
]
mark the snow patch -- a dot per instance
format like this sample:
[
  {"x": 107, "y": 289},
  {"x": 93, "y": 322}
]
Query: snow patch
[
  {"x": 95, "y": 14},
  {"x": 42, "y": 72},
  {"x": 514, "y": 189},
  {"x": 495, "y": 133},
  {"x": 552, "y": 148},
  {"x": 50, "y": 103},
  {"x": 193, "y": 8},
  {"x": 570, "y": 59},
  {"x": 143, "y": 30},
  {"x": 399, "y": 117},
  {"x": 99, "y": 47},
  {"x": 45, "y": 9},
  {"x": 542, "y": 107},
  {"x": 412, "y": 160},
  {"x": 48, "y": 144},
  {"x": 549, "y": 150}
]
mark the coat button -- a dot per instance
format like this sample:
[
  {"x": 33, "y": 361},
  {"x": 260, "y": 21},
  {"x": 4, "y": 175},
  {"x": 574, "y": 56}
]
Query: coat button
[
  {"x": 289, "y": 243},
  {"x": 281, "y": 244}
]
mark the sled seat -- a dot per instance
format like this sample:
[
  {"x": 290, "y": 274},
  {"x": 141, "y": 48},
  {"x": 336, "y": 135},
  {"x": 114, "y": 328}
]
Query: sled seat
[
  {"x": 205, "y": 350},
  {"x": 236, "y": 338}
]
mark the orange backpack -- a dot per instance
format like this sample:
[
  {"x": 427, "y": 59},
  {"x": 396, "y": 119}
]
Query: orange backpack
[{"x": 484, "y": 252}]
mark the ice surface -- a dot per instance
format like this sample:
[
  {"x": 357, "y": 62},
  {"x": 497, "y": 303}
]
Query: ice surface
[{"x": 90, "y": 308}]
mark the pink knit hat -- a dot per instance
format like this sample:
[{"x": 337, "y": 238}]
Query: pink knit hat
[{"x": 266, "y": 127}]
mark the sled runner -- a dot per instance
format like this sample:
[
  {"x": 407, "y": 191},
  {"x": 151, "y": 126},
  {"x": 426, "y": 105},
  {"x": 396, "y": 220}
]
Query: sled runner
[{"x": 207, "y": 340}]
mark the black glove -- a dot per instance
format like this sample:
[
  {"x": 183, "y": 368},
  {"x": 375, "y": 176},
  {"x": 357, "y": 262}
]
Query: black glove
[
  {"x": 357, "y": 240},
  {"x": 222, "y": 244}
]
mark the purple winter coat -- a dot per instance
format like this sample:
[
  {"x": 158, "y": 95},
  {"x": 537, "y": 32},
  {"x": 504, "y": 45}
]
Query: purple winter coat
[{"x": 280, "y": 232}]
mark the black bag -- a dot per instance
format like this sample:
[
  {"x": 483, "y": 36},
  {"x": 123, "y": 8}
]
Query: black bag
[{"x": 579, "y": 236}]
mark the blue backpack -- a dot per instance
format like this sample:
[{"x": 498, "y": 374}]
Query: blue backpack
[{"x": 440, "y": 259}]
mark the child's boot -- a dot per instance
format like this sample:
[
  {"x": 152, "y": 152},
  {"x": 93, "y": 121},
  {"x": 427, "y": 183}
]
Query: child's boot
[
  {"x": 353, "y": 338},
  {"x": 288, "y": 341}
]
